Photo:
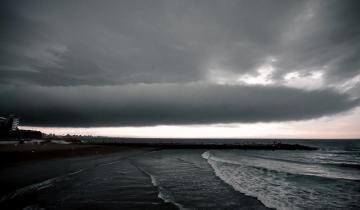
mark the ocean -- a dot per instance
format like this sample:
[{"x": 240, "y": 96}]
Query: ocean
[
  {"x": 325, "y": 179},
  {"x": 328, "y": 178}
]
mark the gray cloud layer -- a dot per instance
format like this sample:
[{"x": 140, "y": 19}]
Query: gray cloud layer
[
  {"x": 80, "y": 62},
  {"x": 117, "y": 42},
  {"x": 169, "y": 104}
]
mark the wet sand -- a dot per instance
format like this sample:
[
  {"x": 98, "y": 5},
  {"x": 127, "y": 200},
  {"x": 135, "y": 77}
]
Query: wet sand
[
  {"x": 15, "y": 154},
  {"x": 53, "y": 176},
  {"x": 26, "y": 181}
]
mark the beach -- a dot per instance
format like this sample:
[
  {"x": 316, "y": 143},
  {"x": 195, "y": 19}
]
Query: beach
[
  {"x": 44, "y": 165},
  {"x": 92, "y": 177},
  {"x": 129, "y": 177},
  {"x": 15, "y": 153}
]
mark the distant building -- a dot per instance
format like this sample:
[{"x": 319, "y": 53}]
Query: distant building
[
  {"x": 9, "y": 130},
  {"x": 8, "y": 124}
]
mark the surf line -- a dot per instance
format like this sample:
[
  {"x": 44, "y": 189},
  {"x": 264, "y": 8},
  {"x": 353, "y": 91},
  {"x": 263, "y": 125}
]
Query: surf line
[
  {"x": 163, "y": 194},
  {"x": 50, "y": 182},
  {"x": 38, "y": 186}
]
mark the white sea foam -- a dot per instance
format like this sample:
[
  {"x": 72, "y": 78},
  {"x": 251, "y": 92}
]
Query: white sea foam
[
  {"x": 319, "y": 170},
  {"x": 164, "y": 194},
  {"x": 276, "y": 188},
  {"x": 238, "y": 178}
]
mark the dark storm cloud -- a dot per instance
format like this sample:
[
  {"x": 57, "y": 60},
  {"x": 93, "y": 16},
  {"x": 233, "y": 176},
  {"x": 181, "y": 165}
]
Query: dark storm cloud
[
  {"x": 326, "y": 36},
  {"x": 88, "y": 61},
  {"x": 138, "y": 41},
  {"x": 73, "y": 43},
  {"x": 138, "y": 105}
]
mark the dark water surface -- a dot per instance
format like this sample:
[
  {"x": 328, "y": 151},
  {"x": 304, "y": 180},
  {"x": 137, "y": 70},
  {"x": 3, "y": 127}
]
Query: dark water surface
[{"x": 328, "y": 178}]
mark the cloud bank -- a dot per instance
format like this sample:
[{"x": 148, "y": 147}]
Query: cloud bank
[
  {"x": 71, "y": 43},
  {"x": 137, "y": 62},
  {"x": 169, "y": 104}
]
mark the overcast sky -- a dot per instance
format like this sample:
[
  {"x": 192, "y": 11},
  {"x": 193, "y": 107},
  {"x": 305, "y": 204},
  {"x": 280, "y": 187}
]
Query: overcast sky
[{"x": 203, "y": 65}]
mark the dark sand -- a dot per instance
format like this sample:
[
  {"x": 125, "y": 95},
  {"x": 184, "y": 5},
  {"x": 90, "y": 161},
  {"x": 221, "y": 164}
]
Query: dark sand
[
  {"x": 15, "y": 154},
  {"x": 28, "y": 168},
  {"x": 17, "y": 161},
  {"x": 75, "y": 176}
]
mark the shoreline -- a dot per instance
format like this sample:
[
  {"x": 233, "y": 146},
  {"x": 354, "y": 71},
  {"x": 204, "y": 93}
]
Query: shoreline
[
  {"x": 35, "y": 162},
  {"x": 15, "y": 154},
  {"x": 27, "y": 151},
  {"x": 273, "y": 146},
  {"x": 23, "y": 181}
]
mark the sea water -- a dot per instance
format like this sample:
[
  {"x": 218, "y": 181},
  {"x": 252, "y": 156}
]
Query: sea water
[{"x": 328, "y": 178}]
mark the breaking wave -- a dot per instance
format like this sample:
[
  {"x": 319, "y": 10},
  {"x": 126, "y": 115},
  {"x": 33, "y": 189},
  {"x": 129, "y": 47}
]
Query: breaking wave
[
  {"x": 280, "y": 186},
  {"x": 38, "y": 186},
  {"x": 164, "y": 194}
]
